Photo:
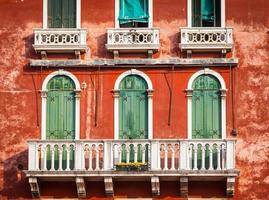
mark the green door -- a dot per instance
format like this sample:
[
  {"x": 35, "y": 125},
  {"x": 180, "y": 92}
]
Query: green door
[
  {"x": 206, "y": 113},
  {"x": 133, "y": 111},
  {"x": 60, "y": 122},
  {"x": 62, "y": 13}
]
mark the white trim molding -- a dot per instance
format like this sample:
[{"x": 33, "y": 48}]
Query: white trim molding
[
  {"x": 116, "y": 101},
  {"x": 44, "y": 92},
  {"x": 117, "y": 12},
  {"x": 223, "y": 91},
  {"x": 189, "y": 13},
  {"x": 45, "y": 14}
]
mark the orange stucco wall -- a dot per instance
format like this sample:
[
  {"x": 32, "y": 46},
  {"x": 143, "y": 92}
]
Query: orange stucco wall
[{"x": 20, "y": 102}]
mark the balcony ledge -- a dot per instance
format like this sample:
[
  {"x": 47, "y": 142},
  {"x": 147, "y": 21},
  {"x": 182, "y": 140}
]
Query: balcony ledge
[{"x": 133, "y": 40}]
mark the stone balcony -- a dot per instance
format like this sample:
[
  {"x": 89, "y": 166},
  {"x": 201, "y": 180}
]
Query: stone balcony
[
  {"x": 133, "y": 40},
  {"x": 87, "y": 160},
  {"x": 206, "y": 39},
  {"x": 60, "y": 41}
]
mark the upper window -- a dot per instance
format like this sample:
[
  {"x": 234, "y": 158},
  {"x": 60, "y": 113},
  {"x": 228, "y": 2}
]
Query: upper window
[
  {"x": 133, "y": 13},
  {"x": 61, "y": 13},
  {"x": 206, "y": 13}
]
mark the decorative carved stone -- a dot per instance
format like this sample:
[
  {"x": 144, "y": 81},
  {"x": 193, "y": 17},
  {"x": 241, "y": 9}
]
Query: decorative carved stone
[
  {"x": 81, "y": 187},
  {"x": 33, "y": 181},
  {"x": 77, "y": 54},
  {"x": 230, "y": 186},
  {"x": 108, "y": 181},
  {"x": 43, "y": 55},
  {"x": 155, "y": 186},
  {"x": 150, "y": 53},
  {"x": 184, "y": 189}
]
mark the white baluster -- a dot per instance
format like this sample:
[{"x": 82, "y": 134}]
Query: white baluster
[
  {"x": 211, "y": 157},
  {"x": 97, "y": 158},
  {"x": 68, "y": 149},
  {"x": 203, "y": 147},
  {"x": 143, "y": 148},
  {"x": 90, "y": 158},
  {"x": 173, "y": 157},
  {"x": 52, "y": 158},
  {"x": 127, "y": 153},
  {"x": 45, "y": 157},
  {"x": 136, "y": 148},
  {"x": 60, "y": 158},
  {"x": 166, "y": 157},
  {"x": 218, "y": 157},
  {"x": 195, "y": 149},
  {"x": 190, "y": 148},
  {"x": 119, "y": 152}
]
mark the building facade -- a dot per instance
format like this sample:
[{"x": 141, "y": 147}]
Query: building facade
[{"x": 134, "y": 99}]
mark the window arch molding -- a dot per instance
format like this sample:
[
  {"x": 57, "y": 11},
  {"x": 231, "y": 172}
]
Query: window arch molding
[
  {"x": 44, "y": 93},
  {"x": 116, "y": 92},
  {"x": 223, "y": 91}
]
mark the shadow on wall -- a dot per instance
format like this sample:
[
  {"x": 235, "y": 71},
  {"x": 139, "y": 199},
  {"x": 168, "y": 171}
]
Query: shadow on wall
[{"x": 15, "y": 181}]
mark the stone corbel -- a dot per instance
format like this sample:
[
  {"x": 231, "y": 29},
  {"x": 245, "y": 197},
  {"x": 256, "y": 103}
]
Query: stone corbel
[
  {"x": 116, "y": 54},
  {"x": 109, "y": 190},
  {"x": 81, "y": 187},
  {"x": 150, "y": 93},
  {"x": 34, "y": 184},
  {"x": 223, "y": 93},
  {"x": 230, "y": 186},
  {"x": 116, "y": 93},
  {"x": 155, "y": 186},
  {"x": 43, "y": 55},
  {"x": 189, "y": 92},
  {"x": 77, "y": 54},
  {"x": 150, "y": 53},
  {"x": 184, "y": 189}
]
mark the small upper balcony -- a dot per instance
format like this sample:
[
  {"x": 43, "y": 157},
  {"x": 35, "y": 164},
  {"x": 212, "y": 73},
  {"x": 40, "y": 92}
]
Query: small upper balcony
[
  {"x": 133, "y": 40},
  {"x": 60, "y": 40},
  {"x": 133, "y": 159},
  {"x": 206, "y": 39}
]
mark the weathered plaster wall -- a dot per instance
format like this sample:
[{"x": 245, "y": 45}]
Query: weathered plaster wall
[{"x": 20, "y": 99}]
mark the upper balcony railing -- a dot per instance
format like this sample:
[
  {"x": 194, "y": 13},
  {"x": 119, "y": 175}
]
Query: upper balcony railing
[
  {"x": 206, "y": 39},
  {"x": 105, "y": 155},
  {"x": 60, "y": 40},
  {"x": 133, "y": 40}
]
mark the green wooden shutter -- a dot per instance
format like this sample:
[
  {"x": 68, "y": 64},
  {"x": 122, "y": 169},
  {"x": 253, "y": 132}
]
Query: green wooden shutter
[
  {"x": 133, "y": 11},
  {"x": 62, "y": 13},
  {"x": 206, "y": 108}
]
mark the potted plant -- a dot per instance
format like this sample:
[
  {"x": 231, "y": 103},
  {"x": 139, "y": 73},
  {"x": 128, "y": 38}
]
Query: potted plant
[{"x": 133, "y": 166}]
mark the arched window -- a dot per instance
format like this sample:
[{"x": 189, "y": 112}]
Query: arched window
[
  {"x": 206, "y": 107},
  {"x": 60, "y": 118},
  {"x": 206, "y": 95},
  {"x": 60, "y": 106},
  {"x": 133, "y": 108},
  {"x": 133, "y": 117}
]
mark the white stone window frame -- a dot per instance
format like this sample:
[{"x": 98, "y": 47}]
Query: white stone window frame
[
  {"x": 116, "y": 92},
  {"x": 223, "y": 92},
  {"x": 45, "y": 14},
  {"x": 44, "y": 93},
  {"x": 117, "y": 12},
  {"x": 189, "y": 20}
]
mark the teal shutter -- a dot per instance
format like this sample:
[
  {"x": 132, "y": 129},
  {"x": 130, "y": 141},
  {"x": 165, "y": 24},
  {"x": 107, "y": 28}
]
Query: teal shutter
[
  {"x": 133, "y": 11},
  {"x": 62, "y": 13},
  {"x": 60, "y": 116},
  {"x": 206, "y": 108}
]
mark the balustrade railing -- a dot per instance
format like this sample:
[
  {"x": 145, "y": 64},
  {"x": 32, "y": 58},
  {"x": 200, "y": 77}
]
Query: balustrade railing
[
  {"x": 133, "y": 39},
  {"x": 206, "y": 38},
  {"x": 104, "y": 155},
  {"x": 60, "y": 39}
]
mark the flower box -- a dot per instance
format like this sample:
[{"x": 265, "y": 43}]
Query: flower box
[{"x": 135, "y": 166}]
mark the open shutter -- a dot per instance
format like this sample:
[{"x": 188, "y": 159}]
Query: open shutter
[
  {"x": 133, "y": 11},
  {"x": 196, "y": 13}
]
